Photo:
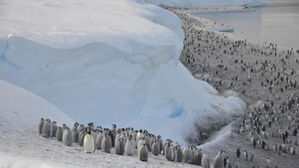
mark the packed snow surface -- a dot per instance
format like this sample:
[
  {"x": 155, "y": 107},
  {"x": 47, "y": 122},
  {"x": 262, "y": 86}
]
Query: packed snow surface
[
  {"x": 113, "y": 61},
  {"x": 21, "y": 145}
]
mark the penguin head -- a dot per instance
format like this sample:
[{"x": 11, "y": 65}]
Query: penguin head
[
  {"x": 42, "y": 119},
  {"x": 54, "y": 122}
]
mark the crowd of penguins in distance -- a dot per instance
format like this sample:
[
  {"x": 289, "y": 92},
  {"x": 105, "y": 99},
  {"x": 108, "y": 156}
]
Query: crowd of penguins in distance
[
  {"x": 127, "y": 141},
  {"x": 263, "y": 75}
]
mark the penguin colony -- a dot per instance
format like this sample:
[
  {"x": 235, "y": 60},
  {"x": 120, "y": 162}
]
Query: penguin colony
[
  {"x": 264, "y": 76},
  {"x": 126, "y": 141}
]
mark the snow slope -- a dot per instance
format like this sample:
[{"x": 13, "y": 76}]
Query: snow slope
[
  {"x": 200, "y": 3},
  {"x": 21, "y": 110},
  {"x": 122, "y": 70},
  {"x": 21, "y": 145}
]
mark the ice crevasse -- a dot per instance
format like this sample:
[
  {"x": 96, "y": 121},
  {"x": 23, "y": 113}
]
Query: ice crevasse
[{"x": 113, "y": 61}]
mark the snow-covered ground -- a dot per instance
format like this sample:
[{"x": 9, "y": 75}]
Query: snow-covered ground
[
  {"x": 21, "y": 145},
  {"x": 108, "y": 62}
]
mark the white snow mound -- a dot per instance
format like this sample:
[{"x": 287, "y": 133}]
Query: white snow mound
[
  {"x": 113, "y": 61},
  {"x": 21, "y": 110}
]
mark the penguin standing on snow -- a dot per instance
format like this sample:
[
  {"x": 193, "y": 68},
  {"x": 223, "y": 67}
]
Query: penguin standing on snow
[
  {"x": 54, "y": 129},
  {"x": 81, "y": 137},
  {"x": 106, "y": 144},
  {"x": 99, "y": 140},
  {"x": 130, "y": 146},
  {"x": 187, "y": 155},
  {"x": 67, "y": 137},
  {"x": 75, "y": 133},
  {"x": 40, "y": 125},
  {"x": 197, "y": 157},
  {"x": 168, "y": 151},
  {"x": 205, "y": 162},
  {"x": 179, "y": 153},
  {"x": 119, "y": 146},
  {"x": 88, "y": 145},
  {"x": 156, "y": 147},
  {"x": 142, "y": 153},
  {"x": 218, "y": 160},
  {"x": 59, "y": 134},
  {"x": 46, "y": 131}
]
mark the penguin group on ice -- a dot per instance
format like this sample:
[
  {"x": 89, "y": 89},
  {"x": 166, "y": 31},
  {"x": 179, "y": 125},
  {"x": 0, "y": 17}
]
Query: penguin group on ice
[
  {"x": 126, "y": 141},
  {"x": 264, "y": 76}
]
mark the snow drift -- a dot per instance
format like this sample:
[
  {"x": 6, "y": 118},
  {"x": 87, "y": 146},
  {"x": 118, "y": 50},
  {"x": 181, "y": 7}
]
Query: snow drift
[
  {"x": 122, "y": 70},
  {"x": 21, "y": 110}
]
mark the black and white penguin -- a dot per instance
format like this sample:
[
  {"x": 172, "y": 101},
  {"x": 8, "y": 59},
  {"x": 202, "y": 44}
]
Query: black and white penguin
[
  {"x": 139, "y": 135},
  {"x": 46, "y": 131},
  {"x": 238, "y": 152},
  {"x": 67, "y": 137},
  {"x": 106, "y": 143},
  {"x": 205, "y": 162},
  {"x": 130, "y": 146},
  {"x": 40, "y": 125},
  {"x": 120, "y": 146},
  {"x": 178, "y": 153},
  {"x": 187, "y": 155},
  {"x": 99, "y": 140},
  {"x": 156, "y": 147},
  {"x": 218, "y": 160},
  {"x": 268, "y": 162},
  {"x": 59, "y": 134},
  {"x": 81, "y": 137},
  {"x": 169, "y": 152},
  {"x": 75, "y": 132},
  {"x": 54, "y": 129},
  {"x": 88, "y": 145},
  {"x": 251, "y": 157},
  {"x": 142, "y": 153},
  {"x": 197, "y": 157}
]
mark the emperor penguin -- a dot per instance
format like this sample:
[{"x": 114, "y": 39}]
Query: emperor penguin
[
  {"x": 187, "y": 155},
  {"x": 46, "y": 131},
  {"x": 67, "y": 137},
  {"x": 130, "y": 146},
  {"x": 119, "y": 146},
  {"x": 205, "y": 162},
  {"x": 81, "y": 137},
  {"x": 54, "y": 129},
  {"x": 139, "y": 135},
  {"x": 156, "y": 147},
  {"x": 169, "y": 152},
  {"x": 75, "y": 133},
  {"x": 106, "y": 144},
  {"x": 140, "y": 142},
  {"x": 197, "y": 157},
  {"x": 40, "y": 125},
  {"x": 178, "y": 153},
  {"x": 99, "y": 140},
  {"x": 142, "y": 153},
  {"x": 59, "y": 134},
  {"x": 218, "y": 160},
  {"x": 88, "y": 145},
  {"x": 268, "y": 163},
  {"x": 113, "y": 134},
  {"x": 161, "y": 143}
]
